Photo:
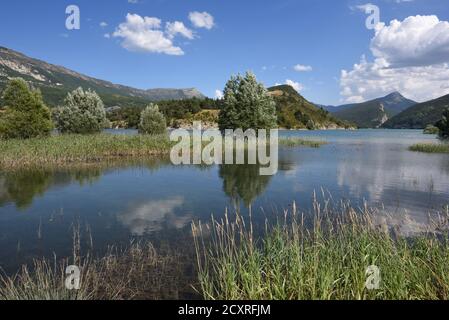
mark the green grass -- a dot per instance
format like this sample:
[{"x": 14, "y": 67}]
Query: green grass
[
  {"x": 319, "y": 256},
  {"x": 81, "y": 149},
  {"x": 63, "y": 149},
  {"x": 322, "y": 258},
  {"x": 430, "y": 148},
  {"x": 298, "y": 142}
]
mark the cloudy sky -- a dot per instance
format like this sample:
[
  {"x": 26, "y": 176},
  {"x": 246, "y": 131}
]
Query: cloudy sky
[{"x": 323, "y": 48}]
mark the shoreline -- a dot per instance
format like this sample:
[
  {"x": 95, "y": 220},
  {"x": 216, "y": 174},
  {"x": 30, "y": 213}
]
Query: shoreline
[{"x": 321, "y": 256}]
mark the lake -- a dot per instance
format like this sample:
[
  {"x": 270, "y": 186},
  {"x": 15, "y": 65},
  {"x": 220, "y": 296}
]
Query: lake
[{"x": 119, "y": 201}]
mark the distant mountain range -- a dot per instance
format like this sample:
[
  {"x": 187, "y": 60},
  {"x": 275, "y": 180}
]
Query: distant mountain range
[
  {"x": 295, "y": 112},
  {"x": 373, "y": 113},
  {"x": 419, "y": 115},
  {"x": 55, "y": 81}
]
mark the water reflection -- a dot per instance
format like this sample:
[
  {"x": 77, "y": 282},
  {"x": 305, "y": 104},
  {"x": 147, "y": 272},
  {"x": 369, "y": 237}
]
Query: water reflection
[
  {"x": 154, "y": 216},
  {"x": 21, "y": 187},
  {"x": 243, "y": 182}
]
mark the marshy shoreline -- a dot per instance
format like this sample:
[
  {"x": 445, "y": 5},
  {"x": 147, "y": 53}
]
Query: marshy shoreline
[
  {"x": 63, "y": 150},
  {"x": 317, "y": 255},
  {"x": 430, "y": 148}
]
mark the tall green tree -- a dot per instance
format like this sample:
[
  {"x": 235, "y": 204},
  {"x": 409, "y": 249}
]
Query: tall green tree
[
  {"x": 83, "y": 112},
  {"x": 152, "y": 121},
  {"x": 25, "y": 114},
  {"x": 443, "y": 125},
  {"x": 247, "y": 105}
]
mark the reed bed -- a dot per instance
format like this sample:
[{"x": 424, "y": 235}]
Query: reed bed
[
  {"x": 324, "y": 257},
  {"x": 138, "y": 272},
  {"x": 318, "y": 255},
  {"x": 298, "y": 142},
  {"x": 63, "y": 149},
  {"x": 430, "y": 148}
]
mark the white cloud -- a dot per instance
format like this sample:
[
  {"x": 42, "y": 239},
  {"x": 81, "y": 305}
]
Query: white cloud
[
  {"x": 103, "y": 24},
  {"x": 202, "y": 20},
  {"x": 154, "y": 216},
  {"x": 174, "y": 28},
  {"x": 295, "y": 85},
  {"x": 144, "y": 34},
  {"x": 302, "y": 68},
  {"x": 416, "y": 41},
  {"x": 410, "y": 56},
  {"x": 219, "y": 94}
]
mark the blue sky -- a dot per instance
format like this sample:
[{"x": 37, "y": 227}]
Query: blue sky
[{"x": 267, "y": 37}]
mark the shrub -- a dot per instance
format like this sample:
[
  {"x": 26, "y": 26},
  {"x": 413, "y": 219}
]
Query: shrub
[
  {"x": 152, "y": 121},
  {"x": 83, "y": 112},
  {"x": 25, "y": 116},
  {"x": 430, "y": 129},
  {"x": 247, "y": 105},
  {"x": 443, "y": 125}
]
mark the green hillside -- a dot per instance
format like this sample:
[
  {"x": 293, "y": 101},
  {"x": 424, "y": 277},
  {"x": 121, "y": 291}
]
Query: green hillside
[
  {"x": 373, "y": 113},
  {"x": 365, "y": 115},
  {"x": 295, "y": 112},
  {"x": 55, "y": 81},
  {"x": 420, "y": 115}
]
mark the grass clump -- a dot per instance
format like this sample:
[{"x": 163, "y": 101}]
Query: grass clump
[
  {"x": 322, "y": 258},
  {"x": 430, "y": 148},
  {"x": 298, "y": 142},
  {"x": 63, "y": 149},
  {"x": 137, "y": 272}
]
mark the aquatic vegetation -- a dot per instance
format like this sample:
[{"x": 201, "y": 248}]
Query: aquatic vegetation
[
  {"x": 63, "y": 149},
  {"x": 325, "y": 256},
  {"x": 430, "y": 148},
  {"x": 296, "y": 142},
  {"x": 431, "y": 129},
  {"x": 138, "y": 272}
]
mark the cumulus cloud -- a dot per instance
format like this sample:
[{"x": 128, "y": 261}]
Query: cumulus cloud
[
  {"x": 219, "y": 94},
  {"x": 202, "y": 20},
  {"x": 410, "y": 56},
  {"x": 302, "y": 68},
  {"x": 174, "y": 28},
  {"x": 295, "y": 85},
  {"x": 416, "y": 41},
  {"x": 144, "y": 34}
]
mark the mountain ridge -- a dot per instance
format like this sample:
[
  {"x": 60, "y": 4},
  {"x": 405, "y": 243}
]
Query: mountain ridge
[
  {"x": 419, "y": 115},
  {"x": 55, "y": 81},
  {"x": 373, "y": 113}
]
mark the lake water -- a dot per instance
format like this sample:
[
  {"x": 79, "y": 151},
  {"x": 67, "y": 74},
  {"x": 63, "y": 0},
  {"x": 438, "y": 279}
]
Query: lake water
[{"x": 119, "y": 201}]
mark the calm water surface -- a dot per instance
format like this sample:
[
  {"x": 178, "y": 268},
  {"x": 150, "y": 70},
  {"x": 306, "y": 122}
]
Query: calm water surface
[{"x": 119, "y": 201}]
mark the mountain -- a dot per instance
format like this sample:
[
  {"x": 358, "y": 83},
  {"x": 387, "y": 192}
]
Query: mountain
[
  {"x": 326, "y": 107},
  {"x": 295, "y": 112},
  {"x": 420, "y": 115},
  {"x": 55, "y": 81},
  {"x": 373, "y": 113}
]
